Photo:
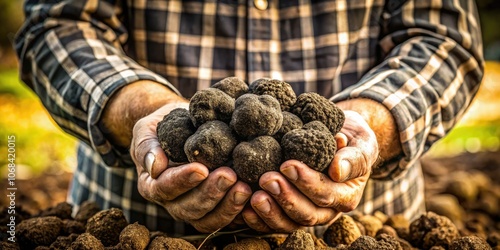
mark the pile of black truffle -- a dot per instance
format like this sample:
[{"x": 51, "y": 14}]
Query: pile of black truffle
[{"x": 252, "y": 129}]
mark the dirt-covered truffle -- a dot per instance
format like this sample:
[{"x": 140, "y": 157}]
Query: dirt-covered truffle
[
  {"x": 210, "y": 104},
  {"x": 167, "y": 243},
  {"x": 173, "y": 131},
  {"x": 400, "y": 224},
  {"x": 63, "y": 242},
  {"x": 254, "y": 158},
  {"x": 39, "y": 231},
  {"x": 232, "y": 86},
  {"x": 87, "y": 241},
  {"x": 469, "y": 243},
  {"x": 367, "y": 242},
  {"x": 107, "y": 225},
  {"x": 86, "y": 211},
  {"x": 342, "y": 231},
  {"x": 313, "y": 145},
  {"x": 290, "y": 122},
  {"x": 280, "y": 90},
  {"x": 72, "y": 227},
  {"x": 256, "y": 115},
  {"x": 371, "y": 224},
  {"x": 211, "y": 145},
  {"x": 134, "y": 237},
  {"x": 298, "y": 239},
  {"x": 62, "y": 210},
  {"x": 249, "y": 244},
  {"x": 314, "y": 107},
  {"x": 432, "y": 230}
]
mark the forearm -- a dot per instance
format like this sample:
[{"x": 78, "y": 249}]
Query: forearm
[
  {"x": 130, "y": 104},
  {"x": 381, "y": 121}
]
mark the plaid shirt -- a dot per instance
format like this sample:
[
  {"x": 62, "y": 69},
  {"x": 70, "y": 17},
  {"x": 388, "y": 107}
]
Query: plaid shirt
[{"x": 421, "y": 59}]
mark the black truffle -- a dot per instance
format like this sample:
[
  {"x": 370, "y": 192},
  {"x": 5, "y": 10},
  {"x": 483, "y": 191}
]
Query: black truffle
[
  {"x": 173, "y": 131},
  {"x": 210, "y": 104},
  {"x": 256, "y": 115},
  {"x": 107, "y": 225},
  {"x": 280, "y": 90},
  {"x": 254, "y": 158},
  {"x": 314, "y": 107},
  {"x": 232, "y": 86},
  {"x": 134, "y": 236},
  {"x": 432, "y": 230},
  {"x": 211, "y": 145},
  {"x": 39, "y": 231},
  {"x": 87, "y": 241},
  {"x": 313, "y": 145},
  {"x": 290, "y": 122}
]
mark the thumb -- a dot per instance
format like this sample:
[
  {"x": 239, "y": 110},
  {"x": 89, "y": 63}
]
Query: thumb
[
  {"x": 146, "y": 152},
  {"x": 349, "y": 163}
]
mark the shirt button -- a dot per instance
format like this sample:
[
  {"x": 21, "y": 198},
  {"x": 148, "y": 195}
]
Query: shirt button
[
  {"x": 394, "y": 63},
  {"x": 260, "y": 4}
]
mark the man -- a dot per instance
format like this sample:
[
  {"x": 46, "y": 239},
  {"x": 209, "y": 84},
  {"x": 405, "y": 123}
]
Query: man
[{"x": 403, "y": 72}]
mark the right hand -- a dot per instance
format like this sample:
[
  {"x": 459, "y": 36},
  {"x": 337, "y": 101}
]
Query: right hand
[{"x": 207, "y": 201}]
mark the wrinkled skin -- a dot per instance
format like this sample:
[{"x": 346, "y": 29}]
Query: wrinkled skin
[
  {"x": 299, "y": 196},
  {"x": 180, "y": 188},
  {"x": 294, "y": 197}
]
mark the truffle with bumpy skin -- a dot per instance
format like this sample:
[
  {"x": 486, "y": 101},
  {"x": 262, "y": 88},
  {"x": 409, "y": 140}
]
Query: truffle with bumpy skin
[
  {"x": 432, "y": 230},
  {"x": 232, "y": 86},
  {"x": 298, "y": 239},
  {"x": 256, "y": 115},
  {"x": 173, "y": 131},
  {"x": 87, "y": 241},
  {"x": 39, "y": 231},
  {"x": 290, "y": 122},
  {"x": 313, "y": 145},
  {"x": 167, "y": 243},
  {"x": 342, "y": 231},
  {"x": 134, "y": 237},
  {"x": 249, "y": 244},
  {"x": 314, "y": 107},
  {"x": 210, "y": 104},
  {"x": 254, "y": 158},
  {"x": 211, "y": 145},
  {"x": 280, "y": 90},
  {"x": 367, "y": 242},
  {"x": 107, "y": 225},
  {"x": 471, "y": 242}
]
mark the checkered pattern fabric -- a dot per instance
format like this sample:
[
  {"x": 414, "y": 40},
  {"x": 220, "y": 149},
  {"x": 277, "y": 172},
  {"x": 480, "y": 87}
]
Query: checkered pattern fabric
[{"x": 421, "y": 59}]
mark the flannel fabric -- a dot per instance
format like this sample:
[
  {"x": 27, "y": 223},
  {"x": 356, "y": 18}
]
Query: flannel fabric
[{"x": 421, "y": 59}]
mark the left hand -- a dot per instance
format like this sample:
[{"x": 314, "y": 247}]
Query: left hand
[{"x": 300, "y": 196}]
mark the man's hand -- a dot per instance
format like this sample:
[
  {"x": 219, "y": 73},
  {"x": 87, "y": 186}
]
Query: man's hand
[
  {"x": 300, "y": 196},
  {"x": 208, "y": 201}
]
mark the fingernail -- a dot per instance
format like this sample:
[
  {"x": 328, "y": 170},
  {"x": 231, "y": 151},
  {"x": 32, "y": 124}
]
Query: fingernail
[
  {"x": 290, "y": 172},
  {"x": 196, "y": 177},
  {"x": 240, "y": 198},
  {"x": 273, "y": 187},
  {"x": 264, "y": 206},
  {"x": 345, "y": 170},
  {"x": 149, "y": 161},
  {"x": 223, "y": 183}
]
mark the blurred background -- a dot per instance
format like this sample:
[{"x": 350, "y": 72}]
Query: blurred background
[{"x": 45, "y": 155}]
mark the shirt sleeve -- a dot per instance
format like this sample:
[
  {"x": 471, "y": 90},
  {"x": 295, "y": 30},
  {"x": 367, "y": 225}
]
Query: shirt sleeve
[
  {"x": 432, "y": 68},
  {"x": 71, "y": 55}
]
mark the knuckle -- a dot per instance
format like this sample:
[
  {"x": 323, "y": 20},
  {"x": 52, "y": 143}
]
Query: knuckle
[{"x": 325, "y": 201}]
